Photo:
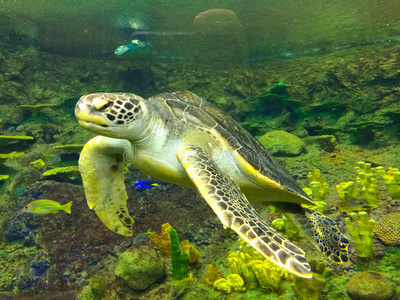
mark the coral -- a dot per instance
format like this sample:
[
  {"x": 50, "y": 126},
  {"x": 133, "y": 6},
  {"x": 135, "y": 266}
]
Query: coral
[
  {"x": 232, "y": 283},
  {"x": 140, "y": 267},
  {"x": 347, "y": 191},
  {"x": 285, "y": 225},
  {"x": 269, "y": 275},
  {"x": 254, "y": 268},
  {"x": 318, "y": 190},
  {"x": 36, "y": 108},
  {"x": 348, "y": 194},
  {"x": 162, "y": 242},
  {"x": 180, "y": 261},
  {"x": 5, "y": 139},
  {"x": 391, "y": 177},
  {"x": 15, "y": 154},
  {"x": 308, "y": 289},
  {"x": 361, "y": 230},
  {"x": 318, "y": 185},
  {"x": 193, "y": 253},
  {"x": 38, "y": 164},
  {"x": 179, "y": 286},
  {"x": 212, "y": 274},
  {"x": 61, "y": 170},
  {"x": 366, "y": 183},
  {"x": 387, "y": 228},
  {"x": 370, "y": 286},
  {"x": 70, "y": 147}
]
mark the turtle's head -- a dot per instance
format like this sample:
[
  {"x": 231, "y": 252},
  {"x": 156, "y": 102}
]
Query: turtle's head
[{"x": 116, "y": 115}]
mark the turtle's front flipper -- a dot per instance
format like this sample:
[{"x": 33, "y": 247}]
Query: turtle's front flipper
[
  {"x": 101, "y": 166},
  {"x": 234, "y": 211}
]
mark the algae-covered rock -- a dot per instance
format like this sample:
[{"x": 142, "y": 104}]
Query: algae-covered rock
[
  {"x": 282, "y": 143},
  {"x": 140, "y": 267},
  {"x": 370, "y": 286}
]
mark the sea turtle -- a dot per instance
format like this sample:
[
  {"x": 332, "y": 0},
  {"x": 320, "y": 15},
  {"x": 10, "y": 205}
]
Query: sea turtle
[{"x": 180, "y": 138}]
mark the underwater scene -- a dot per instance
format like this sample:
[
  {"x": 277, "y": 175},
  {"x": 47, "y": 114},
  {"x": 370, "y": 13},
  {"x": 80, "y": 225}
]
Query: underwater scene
[{"x": 172, "y": 149}]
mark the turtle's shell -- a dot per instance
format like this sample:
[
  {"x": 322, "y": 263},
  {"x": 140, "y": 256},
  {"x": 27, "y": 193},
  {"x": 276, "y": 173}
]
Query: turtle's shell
[{"x": 199, "y": 113}]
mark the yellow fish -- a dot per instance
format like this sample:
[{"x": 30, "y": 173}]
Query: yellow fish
[{"x": 44, "y": 206}]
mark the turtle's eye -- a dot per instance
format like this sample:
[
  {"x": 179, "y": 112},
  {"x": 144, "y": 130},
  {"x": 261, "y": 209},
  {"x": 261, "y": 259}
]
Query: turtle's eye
[{"x": 105, "y": 106}]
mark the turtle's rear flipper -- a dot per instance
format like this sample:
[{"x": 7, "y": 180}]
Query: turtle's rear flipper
[
  {"x": 101, "y": 166},
  {"x": 234, "y": 211},
  {"x": 322, "y": 231}
]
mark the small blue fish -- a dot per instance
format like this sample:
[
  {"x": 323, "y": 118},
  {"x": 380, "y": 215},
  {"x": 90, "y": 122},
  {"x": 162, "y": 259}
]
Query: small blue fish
[{"x": 145, "y": 184}]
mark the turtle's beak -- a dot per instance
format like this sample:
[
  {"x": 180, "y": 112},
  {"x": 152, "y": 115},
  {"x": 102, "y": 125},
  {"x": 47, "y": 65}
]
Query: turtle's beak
[{"x": 88, "y": 115}]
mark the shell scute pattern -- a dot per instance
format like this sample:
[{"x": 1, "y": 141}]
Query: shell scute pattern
[
  {"x": 208, "y": 117},
  {"x": 123, "y": 108}
]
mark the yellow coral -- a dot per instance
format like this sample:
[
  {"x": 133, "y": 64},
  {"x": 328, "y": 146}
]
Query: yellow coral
[
  {"x": 391, "y": 177},
  {"x": 361, "y": 229},
  {"x": 162, "y": 242},
  {"x": 193, "y": 253},
  {"x": 15, "y": 154},
  {"x": 285, "y": 225},
  {"x": 38, "y": 164},
  {"x": 5, "y": 139},
  {"x": 223, "y": 286},
  {"x": 212, "y": 274},
  {"x": 347, "y": 190},
  {"x": 61, "y": 170},
  {"x": 387, "y": 229},
  {"x": 317, "y": 191},
  {"x": 254, "y": 268},
  {"x": 2, "y": 177},
  {"x": 269, "y": 275},
  {"x": 366, "y": 183},
  {"x": 318, "y": 185},
  {"x": 232, "y": 283}
]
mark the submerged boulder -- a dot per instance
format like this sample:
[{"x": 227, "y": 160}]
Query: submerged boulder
[
  {"x": 370, "y": 286},
  {"x": 282, "y": 143},
  {"x": 140, "y": 267}
]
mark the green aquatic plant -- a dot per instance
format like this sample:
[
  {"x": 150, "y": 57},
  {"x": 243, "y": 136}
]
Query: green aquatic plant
[
  {"x": 361, "y": 230},
  {"x": 179, "y": 260},
  {"x": 366, "y": 183}
]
